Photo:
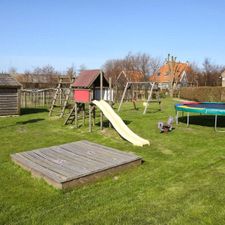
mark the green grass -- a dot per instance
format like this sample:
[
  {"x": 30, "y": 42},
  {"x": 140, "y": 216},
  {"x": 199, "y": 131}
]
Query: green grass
[{"x": 182, "y": 180}]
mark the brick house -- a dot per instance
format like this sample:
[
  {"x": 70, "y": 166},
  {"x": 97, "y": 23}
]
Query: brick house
[{"x": 165, "y": 78}]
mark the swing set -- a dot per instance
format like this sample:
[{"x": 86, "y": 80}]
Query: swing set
[{"x": 152, "y": 87}]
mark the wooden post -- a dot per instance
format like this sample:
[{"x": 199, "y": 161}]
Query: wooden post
[
  {"x": 18, "y": 100},
  {"x": 83, "y": 114},
  {"x": 35, "y": 100},
  {"x": 149, "y": 98},
  {"x": 25, "y": 99},
  {"x": 101, "y": 97},
  {"x": 110, "y": 96},
  {"x": 90, "y": 125},
  {"x": 94, "y": 115},
  {"x": 43, "y": 98},
  {"x": 124, "y": 92},
  {"x": 76, "y": 116}
]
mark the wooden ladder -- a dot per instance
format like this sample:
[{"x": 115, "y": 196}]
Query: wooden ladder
[
  {"x": 57, "y": 94},
  {"x": 72, "y": 115},
  {"x": 58, "y": 89},
  {"x": 68, "y": 93}
]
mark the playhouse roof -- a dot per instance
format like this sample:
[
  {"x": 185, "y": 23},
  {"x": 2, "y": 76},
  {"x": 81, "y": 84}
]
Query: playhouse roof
[
  {"x": 86, "y": 78},
  {"x": 7, "y": 81}
]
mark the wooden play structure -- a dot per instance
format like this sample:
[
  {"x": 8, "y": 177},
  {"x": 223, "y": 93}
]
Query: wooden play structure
[
  {"x": 90, "y": 85},
  {"x": 151, "y": 88},
  {"x": 62, "y": 96},
  {"x": 93, "y": 89},
  {"x": 9, "y": 95}
]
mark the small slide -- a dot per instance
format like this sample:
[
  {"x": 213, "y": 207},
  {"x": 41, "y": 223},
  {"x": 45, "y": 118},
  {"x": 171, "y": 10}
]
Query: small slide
[{"x": 119, "y": 125}]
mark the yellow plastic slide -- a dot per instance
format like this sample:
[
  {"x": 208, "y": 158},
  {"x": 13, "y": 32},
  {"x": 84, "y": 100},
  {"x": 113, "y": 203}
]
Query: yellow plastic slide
[{"x": 119, "y": 125}]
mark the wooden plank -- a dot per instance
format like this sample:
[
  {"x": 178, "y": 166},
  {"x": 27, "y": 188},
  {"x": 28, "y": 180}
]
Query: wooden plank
[
  {"x": 113, "y": 150},
  {"x": 7, "y": 95},
  {"x": 96, "y": 149},
  {"x": 31, "y": 166},
  {"x": 14, "y": 103},
  {"x": 5, "y": 108},
  {"x": 75, "y": 158},
  {"x": 98, "y": 175},
  {"x": 57, "y": 163},
  {"x": 92, "y": 155},
  {"x": 108, "y": 153},
  {"x": 54, "y": 156},
  {"x": 8, "y": 112},
  {"x": 47, "y": 164},
  {"x": 86, "y": 147}
]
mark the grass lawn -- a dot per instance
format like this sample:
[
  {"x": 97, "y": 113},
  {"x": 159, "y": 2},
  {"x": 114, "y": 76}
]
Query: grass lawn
[{"x": 182, "y": 180}]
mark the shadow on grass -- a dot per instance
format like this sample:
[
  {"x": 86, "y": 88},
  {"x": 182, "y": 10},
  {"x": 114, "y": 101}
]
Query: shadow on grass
[
  {"x": 153, "y": 110},
  {"x": 106, "y": 123},
  {"x": 32, "y": 110},
  {"x": 29, "y": 121},
  {"x": 21, "y": 123},
  {"x": 204, "y": 120}
]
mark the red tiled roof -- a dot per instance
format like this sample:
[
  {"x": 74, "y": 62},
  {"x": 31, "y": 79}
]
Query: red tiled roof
[
  {"x": 86, "y": 78},
  {"x": 135, "y": 76},
  {"x": 163, "y": 74},
  {"x": 130, "y": 76}
]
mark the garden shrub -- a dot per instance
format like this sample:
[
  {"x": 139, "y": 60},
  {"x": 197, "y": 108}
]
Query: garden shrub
[{"x": 208, "y": 94}]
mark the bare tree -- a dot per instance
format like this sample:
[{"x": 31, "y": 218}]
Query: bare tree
[
  {"x": 211, "y": 73},
  {"x": 45, "y": 70},
  {"x": 12, "y": 70},
  {"x": 141, "y": 62},
  {"x": 71, "y": 72}
]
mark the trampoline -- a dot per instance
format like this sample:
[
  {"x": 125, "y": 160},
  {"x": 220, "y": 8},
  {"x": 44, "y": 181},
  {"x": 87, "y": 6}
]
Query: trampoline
[{"x": 206, "y": 108}]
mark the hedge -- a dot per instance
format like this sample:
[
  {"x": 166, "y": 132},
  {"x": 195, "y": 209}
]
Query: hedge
[{"x": 203, "y": 94}]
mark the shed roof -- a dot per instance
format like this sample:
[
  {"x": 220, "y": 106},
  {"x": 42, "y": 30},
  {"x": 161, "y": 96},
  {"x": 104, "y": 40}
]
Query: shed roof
[
  {"x": 86, "y": 78},
  {"x": 7, "y": 80}
]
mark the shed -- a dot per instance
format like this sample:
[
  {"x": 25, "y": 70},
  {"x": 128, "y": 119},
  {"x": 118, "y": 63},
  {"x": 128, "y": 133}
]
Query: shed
[
  {"x": 9, "y": 95},
  {"x": 87, "y": 86}
]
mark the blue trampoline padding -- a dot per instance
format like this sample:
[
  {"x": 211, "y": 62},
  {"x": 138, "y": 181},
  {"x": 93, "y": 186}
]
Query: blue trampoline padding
[{"x": 211, "y": 108}]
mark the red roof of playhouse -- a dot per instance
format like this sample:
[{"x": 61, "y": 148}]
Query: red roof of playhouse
[
  {"x": 86, "y": 78},
  {"x": 163, "y": 74}
]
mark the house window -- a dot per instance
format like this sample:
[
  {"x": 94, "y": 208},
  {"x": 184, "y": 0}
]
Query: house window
[
  {"x": 158, "y": 73},
  {"x": 167, "y": 73}
]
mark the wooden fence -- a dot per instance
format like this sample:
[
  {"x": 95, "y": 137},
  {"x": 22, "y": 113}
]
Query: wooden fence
[{"x": 37, "y": 98}]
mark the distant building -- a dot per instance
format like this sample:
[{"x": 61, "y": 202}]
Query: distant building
[
  {"x": 223, "y": 78},
  {"x": 165, "y": 78},
  {"x": 37, "y": 81}
]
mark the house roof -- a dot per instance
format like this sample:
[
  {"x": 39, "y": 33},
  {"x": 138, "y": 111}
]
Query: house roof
[
  {"x": 135, "y": 76},
  {"x": 163, "y": 74},
  {"x": 37, "y": 78},
  {"x": 7, "y": 80},
  {"x": 86, "y": 78},
  {"x": 131, "y": 76},
  {"x": 223, "y": 74}
]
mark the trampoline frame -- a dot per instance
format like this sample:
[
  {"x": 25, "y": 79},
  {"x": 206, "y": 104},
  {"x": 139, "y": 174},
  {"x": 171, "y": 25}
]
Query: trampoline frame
[{"x": 206, "y": 111}]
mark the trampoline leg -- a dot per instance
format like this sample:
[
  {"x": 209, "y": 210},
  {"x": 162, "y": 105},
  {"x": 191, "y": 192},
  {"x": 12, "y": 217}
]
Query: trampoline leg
[
  {"x": 215, "y": 127},
  {"x": 177, "y": 117},
  {"x": 188, "y": 119}
]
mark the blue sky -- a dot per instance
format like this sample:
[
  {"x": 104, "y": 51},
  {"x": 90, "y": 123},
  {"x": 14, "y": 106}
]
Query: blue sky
[{"x": 65, "y": 33}]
